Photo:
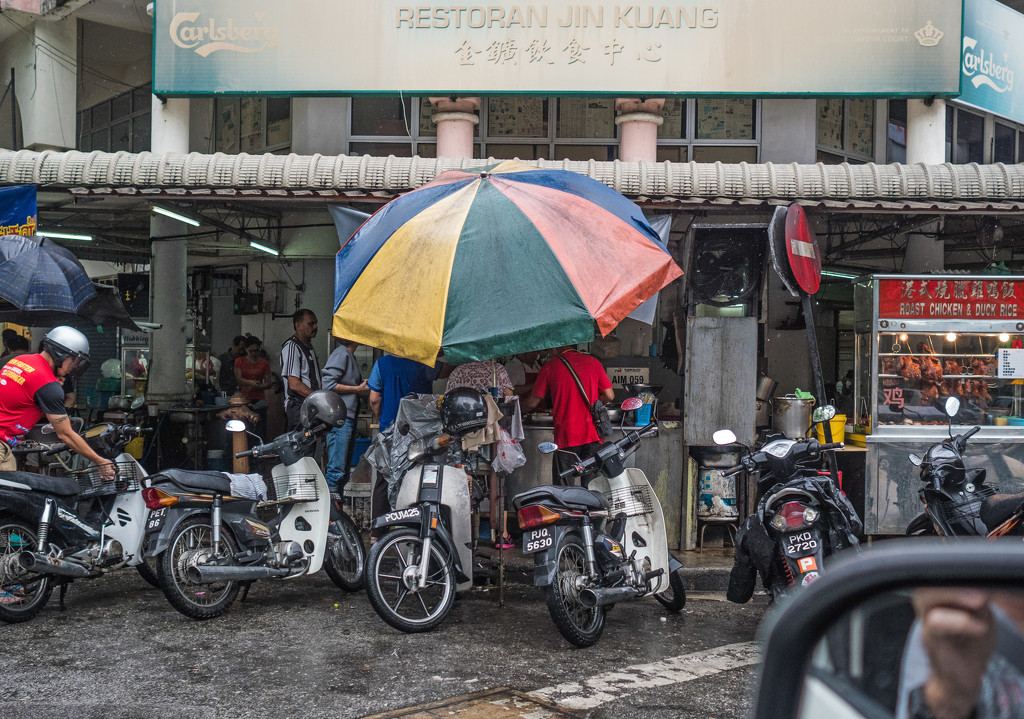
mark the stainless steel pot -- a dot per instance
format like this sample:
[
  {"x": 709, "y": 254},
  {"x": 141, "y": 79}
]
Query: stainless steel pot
[
  {"x": 766, "y": 387},
  {"x": 792, "y": 416},
  {"x": 119, "y": 401}
]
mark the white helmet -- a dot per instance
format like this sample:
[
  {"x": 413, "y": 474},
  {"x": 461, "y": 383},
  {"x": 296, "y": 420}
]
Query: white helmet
[{"x": 63, "y": 342}]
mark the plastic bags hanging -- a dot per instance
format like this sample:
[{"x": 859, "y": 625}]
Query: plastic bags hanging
[{"x": 508, "y": 454}]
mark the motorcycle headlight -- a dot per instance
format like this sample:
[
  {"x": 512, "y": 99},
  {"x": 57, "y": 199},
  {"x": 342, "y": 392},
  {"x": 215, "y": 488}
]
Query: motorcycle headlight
[{"x": 417, "y": 450}]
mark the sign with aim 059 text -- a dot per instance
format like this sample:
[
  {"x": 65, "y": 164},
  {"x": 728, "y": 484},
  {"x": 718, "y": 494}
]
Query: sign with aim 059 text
[{"x": 768, "y": 47}]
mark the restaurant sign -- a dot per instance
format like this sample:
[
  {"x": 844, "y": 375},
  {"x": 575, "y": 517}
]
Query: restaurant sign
[
  {"x": 948, "y": 299},
  {"x": 341, "y": 47}
]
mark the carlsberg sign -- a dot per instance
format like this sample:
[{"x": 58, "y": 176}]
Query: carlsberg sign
[{"x": 991, "y": 56}]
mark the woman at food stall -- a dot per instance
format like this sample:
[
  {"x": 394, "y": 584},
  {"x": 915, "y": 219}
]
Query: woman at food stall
[{"x": 252, "y": 372}]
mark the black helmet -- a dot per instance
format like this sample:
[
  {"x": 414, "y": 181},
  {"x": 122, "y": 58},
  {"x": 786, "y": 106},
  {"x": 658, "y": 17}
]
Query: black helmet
[
  {"x": 322, "y": 407},
  {"x": 463, "y": 410},
  {"x": 63, "y": 342}
]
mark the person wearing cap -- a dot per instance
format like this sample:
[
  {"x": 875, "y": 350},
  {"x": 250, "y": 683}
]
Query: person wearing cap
[{"x": 30, "y": 388}]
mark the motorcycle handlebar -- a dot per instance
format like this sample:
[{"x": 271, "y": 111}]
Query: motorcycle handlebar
[
  {"x": 733, "y": 470},
  {"x": 831, "y": 445},
  {"x": 970, "y": 433},
  {"x": 54, "y": 449}
]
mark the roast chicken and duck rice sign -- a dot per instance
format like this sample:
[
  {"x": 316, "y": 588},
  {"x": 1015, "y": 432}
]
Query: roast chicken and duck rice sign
[{"x": 995, "y": 299}]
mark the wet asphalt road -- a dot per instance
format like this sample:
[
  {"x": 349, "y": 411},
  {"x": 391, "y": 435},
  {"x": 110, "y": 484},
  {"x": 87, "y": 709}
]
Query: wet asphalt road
[{"x": 306, "y": 649}]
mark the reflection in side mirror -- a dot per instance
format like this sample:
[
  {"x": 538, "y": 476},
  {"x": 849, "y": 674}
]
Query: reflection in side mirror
[
  {"x": 824, "y": 413},
  {"x": 631, "y": 403},
  {"x": 138, "y": 402},
  {"x": 547, "y": 447},
  {"x": 952, "y": 407},
  {"x": 235, "y": 425},
  {"x": 724, "y": 436},
  {"x": 915, "y": 460}
]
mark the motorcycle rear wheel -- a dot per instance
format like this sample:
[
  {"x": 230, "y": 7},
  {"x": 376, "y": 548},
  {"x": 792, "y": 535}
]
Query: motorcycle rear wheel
[
  {"x": 675, "y": 598},
  {"x": 148, "y": 572},
  {"x": 345, "y": 559},
  {"x": 581, "y": 625},
  {"x": 192, "y": 541},
  {"x": 388, "y": 568},
  {"x": 19, "y": 602}
]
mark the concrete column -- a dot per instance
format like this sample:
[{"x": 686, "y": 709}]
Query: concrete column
[
  {"x": 168, "y": 269},
  {"x": 455, "y": 118},
  {"x": 924, "y": 253},
  {"x": 926, "y": 132},
  {"x": 638, "y": 122},
  {"x": 47, "y": 87}
]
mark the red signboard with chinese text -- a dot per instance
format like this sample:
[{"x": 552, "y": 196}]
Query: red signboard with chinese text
[
  {"x": 802, "y": 250},
  {"x": 952, "y": 299}
]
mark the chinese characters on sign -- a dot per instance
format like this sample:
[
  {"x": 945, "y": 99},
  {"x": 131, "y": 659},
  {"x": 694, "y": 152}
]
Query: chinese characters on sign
[{"x": 988, "y": 299}]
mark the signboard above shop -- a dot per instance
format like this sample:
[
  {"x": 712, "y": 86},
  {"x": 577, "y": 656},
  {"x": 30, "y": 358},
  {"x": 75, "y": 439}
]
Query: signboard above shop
[
  {"x": 968, "y": 299},
  {"x": 770, "y": 47},
  {"x": 992, "y": 57}
]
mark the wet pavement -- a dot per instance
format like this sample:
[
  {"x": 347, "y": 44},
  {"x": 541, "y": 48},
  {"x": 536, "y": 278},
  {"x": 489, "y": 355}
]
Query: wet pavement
[{"x": 306, "y": 649}]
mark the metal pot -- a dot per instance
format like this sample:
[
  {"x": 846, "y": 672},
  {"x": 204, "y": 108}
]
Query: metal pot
[
  {"x": 766, "y": 387},
  {"x": 792, "y": 416},
  {"x": 119, "y": 401}
]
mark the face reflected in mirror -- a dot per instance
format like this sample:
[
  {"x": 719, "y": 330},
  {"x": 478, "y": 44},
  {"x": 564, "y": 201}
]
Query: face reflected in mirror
[
  {"x": 952, "y": 407},
  {"x": 235, "y": 425},
  {"x": 724, "y": 436},
  {"x": 547, "y": 447},
  {"x": 949, "y": 651},
  {"x": 823, "y": 413}
]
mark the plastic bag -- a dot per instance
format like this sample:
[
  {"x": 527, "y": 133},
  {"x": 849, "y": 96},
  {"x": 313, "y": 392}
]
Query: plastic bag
[{"x": 508, "y": 455}]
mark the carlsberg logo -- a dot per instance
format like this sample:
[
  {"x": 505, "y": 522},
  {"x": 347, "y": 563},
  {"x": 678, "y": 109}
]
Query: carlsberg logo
[
  {"x": 982, "y": 68},
  {"x": 212, "y": 35}
]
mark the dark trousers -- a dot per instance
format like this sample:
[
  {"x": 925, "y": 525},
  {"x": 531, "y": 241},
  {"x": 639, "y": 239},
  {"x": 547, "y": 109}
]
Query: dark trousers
[
  {"x": 380, "y": 505},
  {"x": 563, "y": 459}
]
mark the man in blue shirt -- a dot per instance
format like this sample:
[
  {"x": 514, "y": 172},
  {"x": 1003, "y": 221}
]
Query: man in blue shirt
[{"x": 391, "y": 379}]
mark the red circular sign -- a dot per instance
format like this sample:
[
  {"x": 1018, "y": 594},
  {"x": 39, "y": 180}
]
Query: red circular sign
[{"x": 802, "y": 250}]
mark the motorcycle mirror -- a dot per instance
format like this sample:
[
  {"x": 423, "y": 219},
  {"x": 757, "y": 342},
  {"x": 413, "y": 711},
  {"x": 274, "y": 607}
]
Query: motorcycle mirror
[
  {"x": 547, "y": 447},
  {"x": 724, "y": 436},
  {"x": 915, "y": 460},
  {"x": 138, "y": 402},
  {"x": 952, "y": 407},
  {"x": 631, "y": 403},
  {"x": 235, "y": 425},
  {"x": 824, "y": 413}
]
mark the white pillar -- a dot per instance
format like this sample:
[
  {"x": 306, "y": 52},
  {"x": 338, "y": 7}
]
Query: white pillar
[
  {"x": 168, "y": 269},
  {"x": 926, "y": 132},
  {"x": 638, "y": 123},
  {"x": 47, "y": 85},
  {"x": 455, "y": 118}
]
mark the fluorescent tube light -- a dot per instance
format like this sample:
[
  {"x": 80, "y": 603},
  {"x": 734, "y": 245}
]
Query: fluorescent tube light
[
  {"x": 264, "y": 248},
  {"x": 64, "y": 236},
  {"x": 175, "y": 216},
  {"x": 841, "y": 275}
]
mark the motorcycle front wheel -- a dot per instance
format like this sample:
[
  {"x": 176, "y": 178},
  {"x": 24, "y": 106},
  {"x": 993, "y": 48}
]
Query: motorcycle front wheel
[
  {"x": 22, "y": 594},
  {"x": 391, "y": 582},
  {"x": 345, "y": 557},
  {"x": 675, "y": 598},
  {"x": 192, "y": 544},
  {"x": 581, "y": 625}
]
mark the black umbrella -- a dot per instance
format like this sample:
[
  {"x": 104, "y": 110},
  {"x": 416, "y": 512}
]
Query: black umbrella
[
  {"x": 105, "y": 308},
  {"x": 37, "y": 274}
]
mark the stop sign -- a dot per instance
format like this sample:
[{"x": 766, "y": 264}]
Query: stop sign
[{"x": 802, "y": 250}]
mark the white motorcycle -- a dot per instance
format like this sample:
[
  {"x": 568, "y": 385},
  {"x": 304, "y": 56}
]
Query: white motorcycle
[{"x": 599, "y": 546}]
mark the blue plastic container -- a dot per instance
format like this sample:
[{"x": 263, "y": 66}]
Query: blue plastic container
[
  {"x": 361, "y": 445},
  {"x": 643, "y": 415}
]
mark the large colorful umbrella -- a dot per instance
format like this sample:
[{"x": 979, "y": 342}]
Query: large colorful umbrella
[{"x": 504, "y": 259}]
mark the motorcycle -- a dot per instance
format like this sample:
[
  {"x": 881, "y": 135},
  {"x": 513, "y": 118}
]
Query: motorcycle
[
  {"x": 415, "y": 570},
  {"x": 55, "y": 529},
  {"x": 208, "y": 543},
  {"x": 802, "y": 518},
  {"x": 957, "y": 501},
  {"x": 598, "y": 546}
]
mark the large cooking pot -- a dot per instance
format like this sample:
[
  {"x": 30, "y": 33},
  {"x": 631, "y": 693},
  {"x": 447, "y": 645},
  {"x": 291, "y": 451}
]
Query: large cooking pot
[
  {"x": 119, "y": 401},
  {"x": 791, "y": 415}
]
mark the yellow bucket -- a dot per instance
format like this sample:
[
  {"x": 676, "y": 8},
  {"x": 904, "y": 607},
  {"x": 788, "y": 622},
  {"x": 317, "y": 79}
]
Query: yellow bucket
[
  {"x": 838, "y": 429},
  {"x": 134, "y": 448}
]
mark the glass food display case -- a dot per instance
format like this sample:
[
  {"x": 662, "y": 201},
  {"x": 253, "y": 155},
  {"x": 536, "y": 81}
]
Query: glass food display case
[{"x": 920, "y": 339}]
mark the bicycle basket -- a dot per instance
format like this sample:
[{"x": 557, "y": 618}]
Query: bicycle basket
[
  {"x": 633, "y": 501},
  {"x": 296, "y": 488},
  {"x": 91, "y": 483},
  {"x": 965, "y": 517}
]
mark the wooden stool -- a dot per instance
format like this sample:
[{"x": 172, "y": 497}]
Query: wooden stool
[{"x": 730, "y": 524}]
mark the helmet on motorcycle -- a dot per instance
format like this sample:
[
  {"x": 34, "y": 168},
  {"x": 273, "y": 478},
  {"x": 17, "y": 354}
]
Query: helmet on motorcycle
[
  {"x": 463, "y": 410},
  {"x": 63, "y": 342},
  {"x": 943, "y": 463},
  {"x": 322, "y": 407}
]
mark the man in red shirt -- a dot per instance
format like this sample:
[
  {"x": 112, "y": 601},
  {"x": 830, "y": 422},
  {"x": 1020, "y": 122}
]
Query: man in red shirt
[
  {"x": 30, "y": 387},
  {"x": 573, "y": 426}
]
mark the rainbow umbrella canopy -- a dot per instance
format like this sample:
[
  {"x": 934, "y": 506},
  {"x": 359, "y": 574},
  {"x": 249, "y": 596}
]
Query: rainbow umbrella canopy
[{"x": 504, "y": 259}]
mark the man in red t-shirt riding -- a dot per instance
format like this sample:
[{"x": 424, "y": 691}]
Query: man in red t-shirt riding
[
  {"x": 30, "y": 388},
  {"x": 570, "y": 413}
]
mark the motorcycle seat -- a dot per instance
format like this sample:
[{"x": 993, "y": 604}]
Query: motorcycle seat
[
  {"x": 209, "y": 482},
  {"x": 999, "y": 507},
  {"x": 60, "y": 486},
  {"x": 566, "y": 496}
]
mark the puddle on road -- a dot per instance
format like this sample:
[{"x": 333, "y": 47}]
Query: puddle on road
[{"x": 491, "y": 704}]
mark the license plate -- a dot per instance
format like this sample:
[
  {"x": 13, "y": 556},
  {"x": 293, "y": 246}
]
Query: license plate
[
  {"x": 801, "y": 544},
  {"x": 537, "y": 541},
  {"x": 156, "y": 519},
  {"x": 401, "y": 514}
]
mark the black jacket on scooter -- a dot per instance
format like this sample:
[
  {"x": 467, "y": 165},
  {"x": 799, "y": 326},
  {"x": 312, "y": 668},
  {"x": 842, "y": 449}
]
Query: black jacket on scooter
[{"x": 755, "y": 548}]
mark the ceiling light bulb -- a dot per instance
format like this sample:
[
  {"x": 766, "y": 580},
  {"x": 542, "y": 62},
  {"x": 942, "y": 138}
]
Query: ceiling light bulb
[
  {"x": 903, "y": 337},
  {"x": 951, "y": 337},
  {"x": 1004, "y": 337}
]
